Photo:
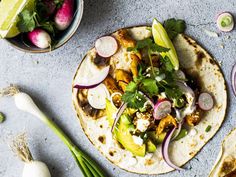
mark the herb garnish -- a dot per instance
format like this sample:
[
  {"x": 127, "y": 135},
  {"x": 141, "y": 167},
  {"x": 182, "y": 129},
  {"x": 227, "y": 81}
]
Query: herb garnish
[
  {"x": 208, "y": 128},
  {"x": 174, "y": 27},
  {"x": 27, "y": 21},
  {"x": 152, "y": 82}
]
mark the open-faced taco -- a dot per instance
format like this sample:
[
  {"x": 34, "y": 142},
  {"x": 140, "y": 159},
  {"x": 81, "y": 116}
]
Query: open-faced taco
[
  {"x": 225, "y": 165},
  {"x": 147, "y": 103}
]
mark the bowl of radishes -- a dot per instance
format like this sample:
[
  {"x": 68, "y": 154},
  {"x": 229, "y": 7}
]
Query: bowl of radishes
[{"x": 48, "y": 26}]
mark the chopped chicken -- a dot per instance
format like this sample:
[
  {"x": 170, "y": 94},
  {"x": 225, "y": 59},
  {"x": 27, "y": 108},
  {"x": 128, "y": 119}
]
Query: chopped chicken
[
  {"x": 166, "y": 122},
  {"x": 134, "y": 64},
  {"x": 124, "y": 38},
  {"x": 193, "y": 119},
  {"x": 123, "y": 78}
]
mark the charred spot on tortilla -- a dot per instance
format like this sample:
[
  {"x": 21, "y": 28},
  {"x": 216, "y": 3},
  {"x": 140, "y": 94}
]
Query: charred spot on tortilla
[
  {"x": 200, "y": 56},
  {"x": 86, "y": 107},
  {"x": 102, "y": 139},
  {"x": 228, "y": 166},
  {"x": 100, "y": 62}
]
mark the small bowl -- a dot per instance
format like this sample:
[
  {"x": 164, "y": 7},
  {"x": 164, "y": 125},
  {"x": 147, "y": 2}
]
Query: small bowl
[{"x": 63, "y": 38}]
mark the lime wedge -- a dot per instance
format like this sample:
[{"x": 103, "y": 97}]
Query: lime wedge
[
  {"x": 9, "y": 11},
  {"x": 161, "y": 38}
]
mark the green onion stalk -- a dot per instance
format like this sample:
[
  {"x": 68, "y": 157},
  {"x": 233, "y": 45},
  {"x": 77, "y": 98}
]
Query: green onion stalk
[{"x": 25, "y": 103}]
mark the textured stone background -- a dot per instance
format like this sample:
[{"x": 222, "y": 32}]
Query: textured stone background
[{"x": 48, "y": 78}]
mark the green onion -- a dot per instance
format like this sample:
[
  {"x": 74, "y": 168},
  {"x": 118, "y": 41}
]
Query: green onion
[
  {"x": 208, "y": 128},
  {"x": 25, "y": 103}
]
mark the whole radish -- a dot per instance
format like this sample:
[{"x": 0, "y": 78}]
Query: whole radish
[
  {"x": 32, "y": 168},
  {"x": 40, "y": 38},
  {"x": 64, "y": 15}
]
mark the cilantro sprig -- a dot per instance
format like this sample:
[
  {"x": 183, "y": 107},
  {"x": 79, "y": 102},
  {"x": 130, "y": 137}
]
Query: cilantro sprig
[{"x": 174, "y": 27}]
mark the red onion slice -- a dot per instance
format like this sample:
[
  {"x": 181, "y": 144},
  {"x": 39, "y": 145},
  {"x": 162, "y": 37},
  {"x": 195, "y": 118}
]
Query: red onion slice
[
  {"x": 233, "y": 79},
  {"x": 165, "y": 148},
  {"x": 118, "y": 114},
  {"x": 148, "y": 99}
]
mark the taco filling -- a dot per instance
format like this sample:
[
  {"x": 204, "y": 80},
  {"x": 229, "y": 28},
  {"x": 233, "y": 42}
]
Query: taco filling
[{"x": 148, "y": 98}]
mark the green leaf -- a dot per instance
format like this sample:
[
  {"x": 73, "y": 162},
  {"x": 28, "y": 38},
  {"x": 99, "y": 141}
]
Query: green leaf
[
  {"x": 26, "y": 21},
  {"x": 131, "y": 87},
  {"x": 174, "y": 27},
  {"x": 48, "y": 26},
  {"x": 149, "y": 86},
  {"x": 58, "y": 3},
  {"x": 173, "y": 93},
  {"x": 134, "y": 100},
  {"x": 167, "y": 63},
  {"x": 158, "y": 48}
]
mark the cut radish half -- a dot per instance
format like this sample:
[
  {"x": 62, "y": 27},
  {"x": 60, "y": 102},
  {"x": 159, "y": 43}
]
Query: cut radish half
[
  {"x": 97, "y": 96},
  {"x": 89, "y": 75},
  {"x": 225, "y": 22},
  {"x": 161, "y": 109},
  {"x": 106, "y": 46},
  {"x": 205, "y": 101}
]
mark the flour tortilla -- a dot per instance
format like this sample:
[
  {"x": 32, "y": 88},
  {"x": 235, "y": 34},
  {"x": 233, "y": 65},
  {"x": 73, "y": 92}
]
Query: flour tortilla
[
  {"x": 196, "y": 62},
  {"x": 225, "y": 165}
]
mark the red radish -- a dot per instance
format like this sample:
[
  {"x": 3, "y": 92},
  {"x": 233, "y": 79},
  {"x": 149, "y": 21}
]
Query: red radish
[
  {"x": 64, "y": 15},
  {"x": 161, "y": 109},
  {"x": 225, "y": 22},
  {"x": 205, "y": 101},
  {"x": 106, "y": 46},
  {"x": 40, "y": 38}
]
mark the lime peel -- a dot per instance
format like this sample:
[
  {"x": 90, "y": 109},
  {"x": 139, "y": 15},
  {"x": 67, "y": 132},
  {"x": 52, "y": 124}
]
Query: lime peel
[{"x": 9, "y": 11}]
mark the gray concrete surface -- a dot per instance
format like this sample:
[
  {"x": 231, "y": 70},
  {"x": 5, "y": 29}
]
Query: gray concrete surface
[{"x": 47, "y": 77}]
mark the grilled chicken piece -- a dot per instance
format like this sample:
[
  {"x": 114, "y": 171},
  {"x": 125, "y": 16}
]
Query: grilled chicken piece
[
  {"x": 166, "y": 122},
  {"x": 123, "y": 78},
  {"x": 124, "y": 38},
  {"x": 193, "y": 119},
  {"x": 134, "y": 64},
  {"x": 112, "y": 87}
]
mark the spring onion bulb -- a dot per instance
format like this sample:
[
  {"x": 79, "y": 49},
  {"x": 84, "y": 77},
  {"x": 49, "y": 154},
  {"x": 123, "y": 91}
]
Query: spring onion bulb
[
  {"x": 25, "y": 103},
  {"x": 32, "y": 168}
]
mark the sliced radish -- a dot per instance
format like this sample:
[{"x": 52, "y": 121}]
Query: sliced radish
[
  {"x": 106, "y": 46},
  {"x": 161, "y": 109},
  {"x": 225, "y": 22},
  {"x": 97, "y": 96},
  {"x": 89, "y": 75},
  {"x": 205, "y": 101}
]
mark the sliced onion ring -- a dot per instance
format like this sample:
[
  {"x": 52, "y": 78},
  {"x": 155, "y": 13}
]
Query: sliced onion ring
[
  {"x": 147, "y": 98},
  {"x": 233, "y": 79},
  {"x": 165, "y": 148},
  {"x": 118, "y": 114}
]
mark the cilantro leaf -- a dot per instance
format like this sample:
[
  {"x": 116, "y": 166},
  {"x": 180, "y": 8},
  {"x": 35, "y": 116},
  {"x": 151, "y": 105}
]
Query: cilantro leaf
[
  {"x": 167, "y": 63},
  {"x": 149, "y": 86},
  {"x": 26, "y": 21},
  {"x": 158, "y": 48},
  {"x": 131, "y": 87},
  {"x": 48, "y": 26},
  {"x": 173, "y": 93},
  {"x": 133, "y": 99},
  {"x": 174, "y": 27}
]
